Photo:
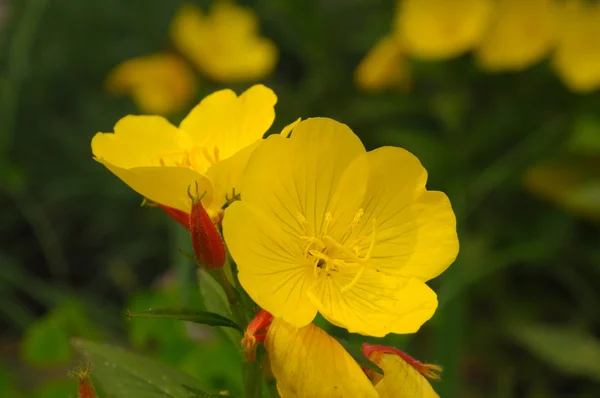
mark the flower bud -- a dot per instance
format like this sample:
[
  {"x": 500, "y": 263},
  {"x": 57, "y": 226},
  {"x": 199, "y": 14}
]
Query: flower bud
[
  {"x": 85, "y": 388},
  {"x": 180, "y": 216},
  {"x": 374, "y": 352},
  {"x": 206, "y": 240},
  {"x": 256, "y": 332}
]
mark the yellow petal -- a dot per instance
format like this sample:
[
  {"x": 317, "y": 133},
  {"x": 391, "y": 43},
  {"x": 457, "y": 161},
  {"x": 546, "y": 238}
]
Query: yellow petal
[
  {"x": 414, "y": 229},
  {"x": 442, "y": 29},
  {"x": 226, "y": 177},
  {"x": 385, "y": 66},
  {"x": 400, "y": 379},
  {"x": 287, "y": 130},
  {"x": 165, "y": 185},
  {"x": 577, "y": 57},
  {"x": 141, "y": 141},
  {"x": 271, "y": 267},
  {"x": 158, "y": 83},
  {"x": 308, "y": 363},
  {"x": 230, "y": 123},
  {"x": 225, "y": 45},
  {"x": 295, "y": 179},
  {"x": 374, "y": 305},
  {"x": 521, "y": 34}
]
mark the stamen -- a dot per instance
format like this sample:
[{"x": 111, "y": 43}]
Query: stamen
[
  {"x": 354, "y": 280},
  {"x": 372, "y": 245},
  {"x": 303, "y": 223},
  {"x": 216, "y": 154},
  {"x": 327, "y": 223}
]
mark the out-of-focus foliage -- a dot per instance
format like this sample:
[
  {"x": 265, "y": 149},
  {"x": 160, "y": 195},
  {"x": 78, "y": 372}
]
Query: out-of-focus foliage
[{"x": 517, "y": 153}]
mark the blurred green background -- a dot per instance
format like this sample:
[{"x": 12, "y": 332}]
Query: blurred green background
[{"x": 518, "y": 314}]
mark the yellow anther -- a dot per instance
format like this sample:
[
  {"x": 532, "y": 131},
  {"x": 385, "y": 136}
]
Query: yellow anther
[
  {"x": 327, "y": 223},
  {"x": 372, "y": 244}
]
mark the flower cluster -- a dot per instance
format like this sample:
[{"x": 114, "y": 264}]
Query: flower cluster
[
  {"x": 314, "y": 224},
  {"x": 505, "y": 35},
  {"x": 223, "y": 44}
]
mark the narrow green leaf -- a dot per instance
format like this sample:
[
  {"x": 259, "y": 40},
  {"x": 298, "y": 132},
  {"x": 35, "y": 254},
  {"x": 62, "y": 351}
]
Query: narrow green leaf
[
  {"x": 216, "y": 301},
  {"x": 183, "y": 314},
  {"x": 122, "y": 374},
  {"x": 568, "y": 349}
]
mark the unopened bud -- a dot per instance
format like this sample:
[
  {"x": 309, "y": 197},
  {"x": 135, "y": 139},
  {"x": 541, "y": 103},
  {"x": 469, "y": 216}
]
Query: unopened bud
[
  {"x": 85, "y": 388},
  {"x": 206, "y": 240},
  {"x": 256, "y": 332},
  {"x": 374, "y": 352},
  {"x": 180, "y": 216}
]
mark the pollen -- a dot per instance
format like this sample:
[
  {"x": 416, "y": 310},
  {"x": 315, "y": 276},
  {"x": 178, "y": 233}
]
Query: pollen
[{"x": 329, "y": 256}]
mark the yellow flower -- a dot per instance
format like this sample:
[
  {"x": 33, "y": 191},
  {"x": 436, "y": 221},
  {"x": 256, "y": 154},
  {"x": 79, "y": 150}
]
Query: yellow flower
[
  {"x": 521, "y": 34},
  {"x": 384, "y": 66},
  {"x": 442, "y": 29},
  {"x": 159, "y": 83},
  {"x": 577, "y": 57},
  {"x": 224, "y": 44},
  {"x": 210, "y": 147},
  {"x": 324, "y": 226},
  {"x": 308, "y": 363}
]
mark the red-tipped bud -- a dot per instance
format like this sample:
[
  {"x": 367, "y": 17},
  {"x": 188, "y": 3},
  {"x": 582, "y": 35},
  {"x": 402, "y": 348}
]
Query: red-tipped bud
[
  {"x": 206, "y": 240},
  {"x": 85, "y": 388},
  {"x": 374, "y": 352},
  {"x": 256, "y": 332},
  {"x": 180, "y": 216}
]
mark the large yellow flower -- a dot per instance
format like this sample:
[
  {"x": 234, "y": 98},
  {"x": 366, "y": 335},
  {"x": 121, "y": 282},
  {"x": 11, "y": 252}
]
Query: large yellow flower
[
  {"x": 224, "y": 44},
  {"x": 385, "y": 66},
  {"x": 308, "y": 363},
  {"x": 577, "y": 57},
  {"x": 441, "y": 29},
  {"x": 158, "y": 83},
  {"x": 323, "y": 226},
  {"x": 521, "y": 34},
  {"x": 210, "y": 147}
]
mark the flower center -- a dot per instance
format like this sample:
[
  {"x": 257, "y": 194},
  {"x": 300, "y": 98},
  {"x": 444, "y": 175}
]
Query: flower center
[
  {"x": 328, "y": 255},
  {"x": 198, "y": 158}
]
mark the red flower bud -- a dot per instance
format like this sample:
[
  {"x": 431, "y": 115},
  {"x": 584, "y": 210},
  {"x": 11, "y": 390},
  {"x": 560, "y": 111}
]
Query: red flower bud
[
  {"x": 206, "y": 240},
  {"x": 428, "y": 370},
  {"x": 256, "y": 332},
  {"x": 180, "y": 216},
  {"x": 85, "y": 388}
]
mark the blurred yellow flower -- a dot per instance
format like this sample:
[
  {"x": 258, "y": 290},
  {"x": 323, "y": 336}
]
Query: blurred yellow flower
[
  {"x": 577, "y": 57},
  {"x": 225, "y": 44},
  {"x": 385, "y": 66},
  {"x": 308, "y": 363},
  {"x": 210, "y": 147},
  {"x": 521, "y": 34},
  {"x": 441, "y": 29},
  {"x": 158, "y": 83},
  {"x": 324, "y": 226}
]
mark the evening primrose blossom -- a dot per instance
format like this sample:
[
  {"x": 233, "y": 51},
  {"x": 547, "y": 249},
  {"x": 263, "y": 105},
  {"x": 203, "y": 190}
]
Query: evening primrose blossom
[
  {"x": 577, "y": 56},
  {"x": 224, "y": 44},
  {"x": 520, "y": 34},
  {"x": 324, "y": 226},
  {"x": 208, "y": 150},
  {"x": 158, "y": 83},
  {"x": 384, "y": 67},
  {"x": 441, "y": 29},
  {"x": 308, "y": 363}
]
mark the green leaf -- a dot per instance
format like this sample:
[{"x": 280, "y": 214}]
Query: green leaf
[
  {"x": 568, "y": 349},
  {"x": 122, "y": 374},
  {"x": 46, "y": 342},
  {"x": 585, "y": 138},
  {"x": 216, "y": 301},
  {"x": 183, "y": 314}
]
